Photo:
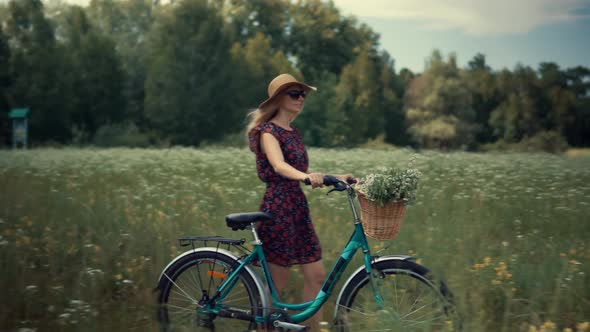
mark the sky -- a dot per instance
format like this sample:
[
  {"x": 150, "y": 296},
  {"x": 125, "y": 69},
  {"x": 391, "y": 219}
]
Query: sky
[{"x": 507, "y": 32}]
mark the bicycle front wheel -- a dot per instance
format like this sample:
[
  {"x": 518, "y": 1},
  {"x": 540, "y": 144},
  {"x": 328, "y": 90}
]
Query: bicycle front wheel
[
  {"x": 409, "y": 300},
  {"x": 187, "y": 286}
]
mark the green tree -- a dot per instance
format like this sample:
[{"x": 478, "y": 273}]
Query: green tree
[
  {"x": 256, "y": 64},
  {"x": 481, "y": 83},
  {"x": 558, "y": 99},
  {"x": 36, "y": 68},
  {"x": 96, "y": 75},
  {"x": 578, "y": 82},
  {"x": 189, "y": 92},
  {"x": 128, "y": 24},
  {"x": 5, "y": 82},
  {"x": 320, "y": 39},
  {"x": 520, "y": 114},
  {"x": 357, "y": 102},
  {"x": 439, "y": 106},
  {"x": 248, "y": 18},
  {"x": 319, "y": 120},
  {"x": 392, "y": 87}
]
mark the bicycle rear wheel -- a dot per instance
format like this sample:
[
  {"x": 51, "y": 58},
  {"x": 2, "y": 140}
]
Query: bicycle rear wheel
[
  {"x": 187, "y": 286},
  {"x": 411, "y": 301}
]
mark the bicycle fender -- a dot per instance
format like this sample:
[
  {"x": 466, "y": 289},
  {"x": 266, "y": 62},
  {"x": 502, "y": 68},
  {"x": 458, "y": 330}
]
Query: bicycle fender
[
  {"x": 247, "y": 268},
  {"x": 361, "y": 270}
]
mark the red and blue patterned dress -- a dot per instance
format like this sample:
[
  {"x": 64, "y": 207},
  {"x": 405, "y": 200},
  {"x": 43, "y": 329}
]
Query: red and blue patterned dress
[{"x": 290, "y": 237}]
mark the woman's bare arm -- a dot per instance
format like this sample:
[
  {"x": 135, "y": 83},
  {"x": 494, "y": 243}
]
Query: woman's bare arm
[{"x": 270, "y": 146}]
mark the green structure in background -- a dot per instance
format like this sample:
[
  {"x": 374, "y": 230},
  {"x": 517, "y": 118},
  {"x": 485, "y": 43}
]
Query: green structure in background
[{"x": 20, "y": 124}]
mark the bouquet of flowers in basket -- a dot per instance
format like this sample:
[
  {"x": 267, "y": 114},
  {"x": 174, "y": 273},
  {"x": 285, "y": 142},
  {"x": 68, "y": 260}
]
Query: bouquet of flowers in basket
[{"x": 383, "y": 198}]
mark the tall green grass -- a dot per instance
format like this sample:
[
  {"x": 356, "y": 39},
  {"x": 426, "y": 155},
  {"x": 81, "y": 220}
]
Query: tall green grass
[{"x": 84, "y": 234}]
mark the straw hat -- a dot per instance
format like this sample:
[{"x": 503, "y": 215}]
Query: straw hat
[{"x": 279, "y": 83}]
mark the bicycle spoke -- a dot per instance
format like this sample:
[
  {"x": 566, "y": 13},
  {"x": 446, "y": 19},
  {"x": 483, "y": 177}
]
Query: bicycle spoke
[
  {"x": 358, "y": 311},
  {"x": 422, "y": 307},
  {"x": 410, "y": 302},
  {"x": 198, "y": 282},
  {"x": 415, "y": 301},
  {"x": 187, "y": 286},
  {"x": 180, "y": 308},
  {"x": 185, "y": 293},
  {"x": 181, "y": 297},
  {"x": 193, "y": 281},
  {"x": 425, "y": 321}
]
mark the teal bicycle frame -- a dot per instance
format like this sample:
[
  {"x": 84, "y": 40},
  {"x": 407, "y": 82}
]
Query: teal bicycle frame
[{"x": 356, "y": 241}]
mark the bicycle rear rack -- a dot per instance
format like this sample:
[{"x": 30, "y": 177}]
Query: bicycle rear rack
[{"x": 238, "y": 244}]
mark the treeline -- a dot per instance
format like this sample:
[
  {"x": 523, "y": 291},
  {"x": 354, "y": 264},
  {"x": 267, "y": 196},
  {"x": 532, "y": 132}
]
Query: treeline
[{"x": 187, "y": 72}]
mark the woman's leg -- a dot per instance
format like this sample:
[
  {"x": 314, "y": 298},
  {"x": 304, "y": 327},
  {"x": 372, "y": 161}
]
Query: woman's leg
[
  {"x": 280, "y": 277},
  {"x": 314, "y": 275}
]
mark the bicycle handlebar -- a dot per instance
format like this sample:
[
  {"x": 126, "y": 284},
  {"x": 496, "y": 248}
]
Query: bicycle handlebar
[{"x": 330, "y": 180}]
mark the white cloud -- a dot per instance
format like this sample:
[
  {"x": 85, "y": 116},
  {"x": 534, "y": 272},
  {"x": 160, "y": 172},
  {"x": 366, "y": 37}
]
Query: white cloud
[{"x": 475, "y": 17}]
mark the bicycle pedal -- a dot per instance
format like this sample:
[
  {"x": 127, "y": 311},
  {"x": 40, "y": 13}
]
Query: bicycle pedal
[{"x": 289, "y": 326}]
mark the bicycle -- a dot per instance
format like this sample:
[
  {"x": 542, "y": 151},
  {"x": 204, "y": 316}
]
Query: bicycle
[{"x": 213, "y": 286}]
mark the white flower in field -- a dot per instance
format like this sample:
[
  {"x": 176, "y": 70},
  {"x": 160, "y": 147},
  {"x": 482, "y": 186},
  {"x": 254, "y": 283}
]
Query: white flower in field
[
  {"x": 65, "y": 315},
  {"x": 31, "y": 288}
]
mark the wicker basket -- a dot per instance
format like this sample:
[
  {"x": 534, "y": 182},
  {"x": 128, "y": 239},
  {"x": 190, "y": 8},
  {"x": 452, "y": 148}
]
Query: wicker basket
[{"x": 381, "y": 222}]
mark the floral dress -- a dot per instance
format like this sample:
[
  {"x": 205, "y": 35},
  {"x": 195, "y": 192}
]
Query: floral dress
[{"x": 290, "y": 237}]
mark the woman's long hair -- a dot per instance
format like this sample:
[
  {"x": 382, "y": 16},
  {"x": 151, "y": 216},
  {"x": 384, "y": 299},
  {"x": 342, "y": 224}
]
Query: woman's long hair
[{"x": 261, "y": 115}]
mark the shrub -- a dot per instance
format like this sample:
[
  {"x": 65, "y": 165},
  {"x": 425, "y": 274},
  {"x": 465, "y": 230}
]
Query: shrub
[
  {"x": 544, "y": 141},
  {"x": 547, "y": 141},
  {"x": 112, "y": 135}
]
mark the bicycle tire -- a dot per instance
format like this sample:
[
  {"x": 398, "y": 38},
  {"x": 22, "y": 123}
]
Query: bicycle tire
[
  {"x": 183, "y": 284},
  {"x": 412, "y": 301}
]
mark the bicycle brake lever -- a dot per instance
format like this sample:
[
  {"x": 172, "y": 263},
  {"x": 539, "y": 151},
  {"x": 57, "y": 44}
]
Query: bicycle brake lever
[{"x": 337, "y": 187}]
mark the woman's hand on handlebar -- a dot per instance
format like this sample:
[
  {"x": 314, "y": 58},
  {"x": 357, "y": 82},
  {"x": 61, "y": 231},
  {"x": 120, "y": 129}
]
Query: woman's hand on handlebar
[
  {"x": 328, "y": 180},
  {"x": 316, "y": 179}
]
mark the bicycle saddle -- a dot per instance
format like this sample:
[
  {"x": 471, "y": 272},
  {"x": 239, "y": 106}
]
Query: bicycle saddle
[{"x": 237, "y": 221}]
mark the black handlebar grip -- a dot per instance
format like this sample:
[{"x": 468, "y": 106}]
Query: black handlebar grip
[{"x": 329, "y": 180}]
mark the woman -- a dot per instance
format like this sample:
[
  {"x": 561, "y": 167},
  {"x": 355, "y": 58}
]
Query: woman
[{"x": 281, "y": 162}]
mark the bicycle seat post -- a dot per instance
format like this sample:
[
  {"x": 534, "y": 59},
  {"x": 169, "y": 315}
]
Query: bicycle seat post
[{"x": 255, "y": 235}]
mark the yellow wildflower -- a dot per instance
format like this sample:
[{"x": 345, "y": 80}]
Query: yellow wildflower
[
  {"x": 548, "y": 326},
  {"x": 478, "y": 266}
]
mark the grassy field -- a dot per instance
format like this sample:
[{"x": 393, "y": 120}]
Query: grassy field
[{"x": 84, "y": 234}]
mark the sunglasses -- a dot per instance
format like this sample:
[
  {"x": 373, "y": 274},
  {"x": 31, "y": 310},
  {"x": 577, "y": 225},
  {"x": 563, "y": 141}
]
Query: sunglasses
[{"x": 295, "y": 94}]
